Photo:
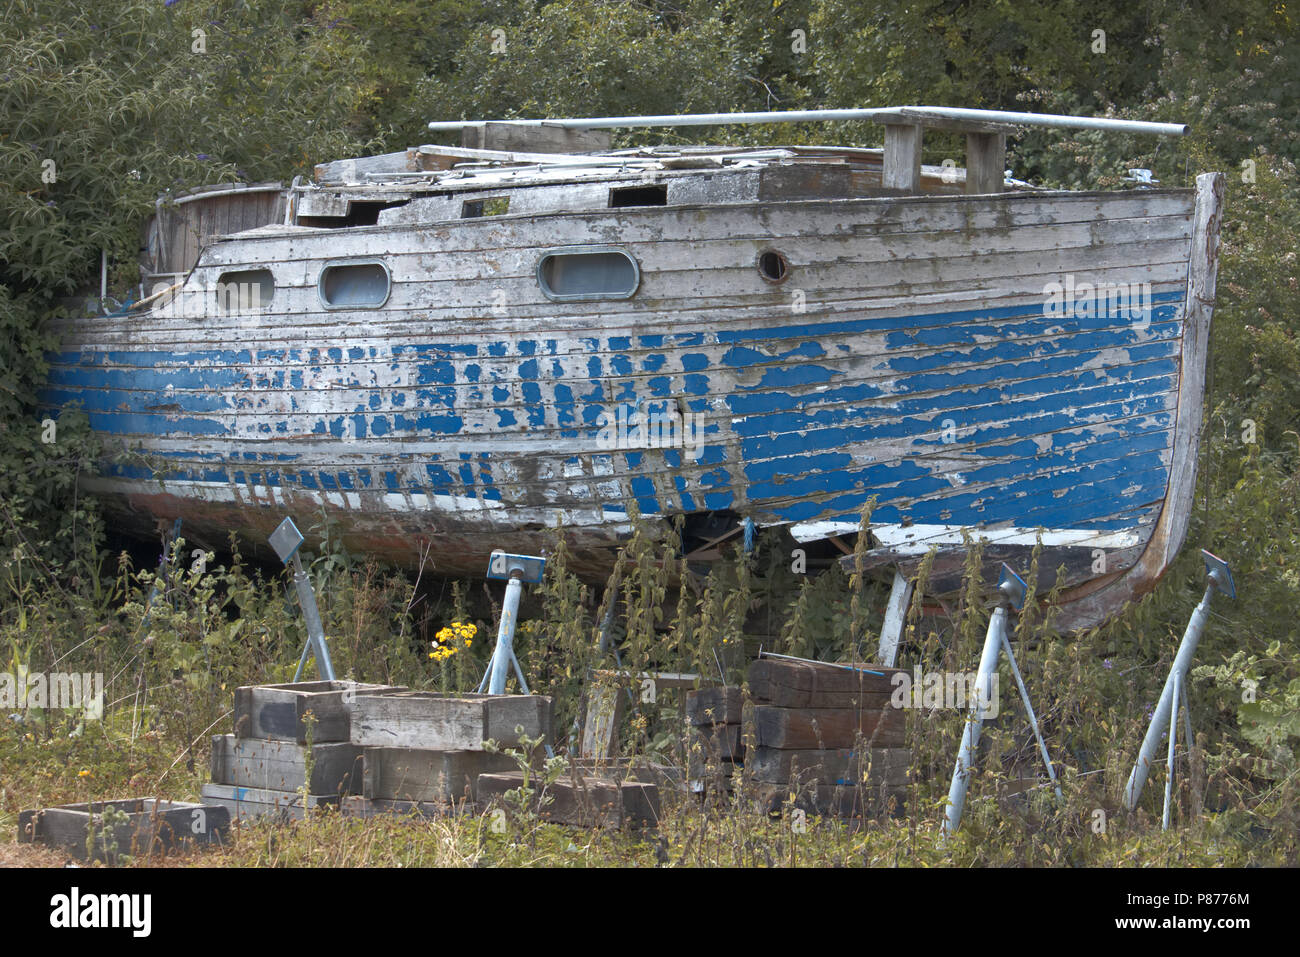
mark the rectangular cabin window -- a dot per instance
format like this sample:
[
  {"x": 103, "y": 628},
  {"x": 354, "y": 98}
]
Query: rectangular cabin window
[
  {"x": 624, "y": 196},
  {"x": 588, "y": 272},
  {"x": 356, "y": 285},
  {"x": 491, "y": 206},
  {"x": 244, "y": 290}
]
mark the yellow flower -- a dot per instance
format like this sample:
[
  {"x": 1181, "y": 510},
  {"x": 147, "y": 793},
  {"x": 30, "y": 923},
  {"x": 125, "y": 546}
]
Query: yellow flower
[{"x": 84, "y": 773}]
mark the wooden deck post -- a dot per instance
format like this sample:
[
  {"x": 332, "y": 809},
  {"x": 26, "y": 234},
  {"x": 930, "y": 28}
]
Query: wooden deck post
[
  {"x": 986, "y": 157},
  {"x": 902, "y": 161}
]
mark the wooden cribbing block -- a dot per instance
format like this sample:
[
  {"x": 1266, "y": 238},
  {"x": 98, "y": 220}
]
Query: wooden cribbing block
[
  {"x": 355, "y": 805},
  {"x": 641, "y": 807},
  {"x": 152, "y": 826},
  {"x": 817, "y": 728},
  {"x": 282, "y": 765},
  {"x": 703, "y": 764},
  {"x": 404, "y": 774},
  {"x": 276, "y": 712},
  {"x": 583, "y": 801},
  {"x": 713, "y": 706},
  {"x": 781, "y": 696},
  {"x": 663, "y": 776},
  {"x": 721, "y": 743},
  {"x": 837, "y": 766},
  {"x": 249, "y": 804},
  {"x": 832, "y": 801},
  {"x": 605, "y": 706},
  {"x": 429, "y": 721},
  {"x": 800, "y": 684}
]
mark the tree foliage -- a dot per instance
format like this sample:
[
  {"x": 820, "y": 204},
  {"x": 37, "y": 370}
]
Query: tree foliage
[{"x": 105, "y": 107}]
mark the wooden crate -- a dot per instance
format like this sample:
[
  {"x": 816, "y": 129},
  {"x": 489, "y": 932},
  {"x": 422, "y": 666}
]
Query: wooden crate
[
  {"x": 153, "y": 826},
  {"x": 250, "y": 804},
  {"x": 835, "y": 766},
  {"x": 405, "y": 774},
  {"x": 282, "y": 765},
  {"x": 581, "y": 801},
  {"x": 276, "y": 712},
  {"x": 429, "y": 721}
]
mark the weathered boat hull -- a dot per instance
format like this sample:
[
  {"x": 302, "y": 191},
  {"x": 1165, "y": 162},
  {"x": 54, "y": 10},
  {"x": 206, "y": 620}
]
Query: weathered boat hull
[{"x": 912, "y": 352}]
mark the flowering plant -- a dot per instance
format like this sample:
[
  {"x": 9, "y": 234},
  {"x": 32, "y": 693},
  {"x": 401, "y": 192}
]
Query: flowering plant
[{"x": 457, "y": 636}]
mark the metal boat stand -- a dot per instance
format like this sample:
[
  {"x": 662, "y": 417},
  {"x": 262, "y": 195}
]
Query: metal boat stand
[
  {"x": 1175, "y": 689},
  {"x": 1011, "y": 588},
  {"x": 514, "y": 570},
  {"x": 286, "y": 540}
]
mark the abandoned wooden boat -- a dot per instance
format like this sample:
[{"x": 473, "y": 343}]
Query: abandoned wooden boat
[{"x": 470, "y": 346}]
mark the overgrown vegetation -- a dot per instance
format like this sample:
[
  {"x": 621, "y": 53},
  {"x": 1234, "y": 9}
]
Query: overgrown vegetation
[{"x": 106, "y": 108}]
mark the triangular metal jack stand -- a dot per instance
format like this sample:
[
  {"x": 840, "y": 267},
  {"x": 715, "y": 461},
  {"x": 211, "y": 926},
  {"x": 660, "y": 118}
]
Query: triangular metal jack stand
[
  {"x": 1175, "y": 689},
  {"x": 515, "y": 569},
  {"x": 1012, "y": 589},
  {"x": 286, "y": 540}
]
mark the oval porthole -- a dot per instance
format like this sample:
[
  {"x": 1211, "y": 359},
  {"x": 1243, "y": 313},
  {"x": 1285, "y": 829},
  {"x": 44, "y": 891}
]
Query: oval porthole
[
  {"x": 244, "y": 290},
  {"x": 773, "y": 266},
  {"x": 588, "y": 272},
  {"x": 356, "y": 285}
]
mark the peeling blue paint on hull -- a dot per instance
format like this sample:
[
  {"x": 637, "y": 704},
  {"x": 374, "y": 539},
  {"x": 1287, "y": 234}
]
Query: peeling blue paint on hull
[{"x": 935, "y": 376}]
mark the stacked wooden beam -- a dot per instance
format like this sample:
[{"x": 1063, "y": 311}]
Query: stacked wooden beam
[
  {"x": 828, "y": 739},
  {"x": 716, "y": 743},
  {"x": 267, "y": 768},
  {"x": 578, "y": 799},
  {"x": 378, "y": 750},
  {"x": 141, "y": 827},
  {"x": 424, "y": 752}
]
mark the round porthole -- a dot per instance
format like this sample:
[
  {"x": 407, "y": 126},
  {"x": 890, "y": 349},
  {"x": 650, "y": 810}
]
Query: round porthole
[{"x": 772, "y": 266}]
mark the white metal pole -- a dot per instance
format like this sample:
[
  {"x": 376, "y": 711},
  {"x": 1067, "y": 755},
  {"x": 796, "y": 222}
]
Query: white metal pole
[
  {"x": 504, "y": 651},
  {"x": 1033, "y": 718},
  {"x": 1160, "y": 717},
  {"x": 1169, "y": 764},
  {"x": 892, "y": 114},
  {"x": 970, "y": 737},
  {"x": 311, "y": 616}
]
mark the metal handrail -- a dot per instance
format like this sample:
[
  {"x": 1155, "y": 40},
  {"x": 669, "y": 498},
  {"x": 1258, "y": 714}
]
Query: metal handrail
[{"x": 893, "y": 114}]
